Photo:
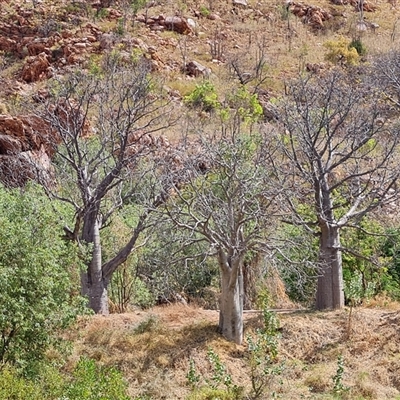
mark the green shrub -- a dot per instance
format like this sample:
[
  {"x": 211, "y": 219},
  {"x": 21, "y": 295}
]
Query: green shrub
[
  {"x": 246, "y": 105},
  {"x": 340, "y": 52},
  {"x": 208, "y": 393},
  {"x": 94, "y": 382},
  {"x": 204, "y": 96},
  {"x": 15, "y": 387},
  {"x": 204, "y": 11},
  {"x": 37, "y": 296},
  {"x": 359, "y": 46}
]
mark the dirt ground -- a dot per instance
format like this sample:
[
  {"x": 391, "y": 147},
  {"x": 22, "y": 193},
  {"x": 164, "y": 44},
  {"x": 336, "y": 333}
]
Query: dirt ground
[{"x": 153, "y": 349}]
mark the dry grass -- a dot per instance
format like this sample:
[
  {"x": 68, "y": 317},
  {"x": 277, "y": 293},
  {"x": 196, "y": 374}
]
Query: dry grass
[{"x": 153, "y": 350}]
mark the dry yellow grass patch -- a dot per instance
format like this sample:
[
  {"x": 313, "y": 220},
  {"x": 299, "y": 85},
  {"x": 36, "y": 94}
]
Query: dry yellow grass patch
[{"x": 153, "y": 350}]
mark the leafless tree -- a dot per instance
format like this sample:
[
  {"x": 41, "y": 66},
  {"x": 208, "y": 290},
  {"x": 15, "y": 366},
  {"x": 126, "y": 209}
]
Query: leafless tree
[
  {"x": 386, "y": 76},
  {"x": 103, "y": 124},
  {"x": 228, "y": 199},
  {"x": 341, "y": 157}
]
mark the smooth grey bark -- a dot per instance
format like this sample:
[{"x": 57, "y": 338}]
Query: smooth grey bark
[
  {"x": 230, "y": 204},
  {"x": 231, "y": 300},
  {"x": 103, "y": 126},
  {"x": 94, "y": 284},
  {"x": 330, "y": 293},
  {"x": 341, "y": 159}
]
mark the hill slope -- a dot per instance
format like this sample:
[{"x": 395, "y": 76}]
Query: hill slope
[{"x": 153, "y": 349}]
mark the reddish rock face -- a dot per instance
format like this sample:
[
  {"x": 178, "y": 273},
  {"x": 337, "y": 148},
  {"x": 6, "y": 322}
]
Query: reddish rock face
[
  {"x": 36, "y": 68},
  {"x": 312, "y": 15},
  {"x": 26, "y": 145},
  {"x": 177, "y": 24}
]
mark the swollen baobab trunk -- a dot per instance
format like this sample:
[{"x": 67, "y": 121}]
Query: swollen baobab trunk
[
  {"x": 330, "y": 293},
  {"x": 94, "y": 284},
  {"x": 231, "y": 301}
]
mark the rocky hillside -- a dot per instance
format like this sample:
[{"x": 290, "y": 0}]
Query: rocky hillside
[{"x": 257, "y": 43}]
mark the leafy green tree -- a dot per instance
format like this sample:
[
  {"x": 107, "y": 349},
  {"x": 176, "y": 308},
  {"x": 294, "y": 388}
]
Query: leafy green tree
[{"x": 37, "y": 295}]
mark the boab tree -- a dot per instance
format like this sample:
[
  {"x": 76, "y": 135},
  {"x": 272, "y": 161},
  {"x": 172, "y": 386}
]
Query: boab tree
[
  {"x": 342, "y": 159},
  {"x": 103, "y": 122},
  {"x": 226, "y": 195}
]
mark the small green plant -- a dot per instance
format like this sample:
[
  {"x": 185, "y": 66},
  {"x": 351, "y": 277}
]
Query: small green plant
[
  {"x": 340, "y": 52},
  {"x": 359, "y": 46},
  {"x": 136, "y": 5},
  {"x": 283, "y": 12},
  {"x": 120, "y": 28},
  {"x": 213, "y": 390},
  {"x": 247, "y": 105},
  {"x": 204, "y": 11},
  {"x": 204, "y": 96},
  {"x": 102, "y": 13},
  {"x": 220, "y": 375},
  {"x": 192, "y": 376},
  {"x": 263, "y": 352},
  {"x": 338, "y": 387}
]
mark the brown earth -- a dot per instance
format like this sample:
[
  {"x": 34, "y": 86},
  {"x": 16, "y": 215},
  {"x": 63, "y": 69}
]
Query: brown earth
[{"x": 153, "y": 348}]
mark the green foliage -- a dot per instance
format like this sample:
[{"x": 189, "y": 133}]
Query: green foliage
[
  {"x": 263, "y": 352},
  {"x": 283, "y": 12},
  {"x": 209, "y": 393},
  {"x": 338, "y": 386},
  {"x": 212, "y": 388},
  {"x": 120, "y": 27},
  {"x": 174, "y": 264},
  {"x": 365, "y": 266},
  {"x": 220, "y": 375},
  {"x": 356, "y": 292},
  {"x": 204, "y": 11},
  {"x": 390, "y": 280},
  {"x": 298, "y": 259},
  {"x": 89, "y": 381},
  {"x": 340, "y": 52},
  {"x": 192, "y": 376},
  {"x": 359, "y": 46},
  {"x": 47, "y": 385},
  {"x": 94, "y": 382},
  {"x": 246, "y": 105},
  {"x": 136, "y": 5},
  {"x": 102, "y": 13},
  {"x": 13, "y": 386},
  {"x": 36, "y": 297},
  {"x": 204, "y": 97}
]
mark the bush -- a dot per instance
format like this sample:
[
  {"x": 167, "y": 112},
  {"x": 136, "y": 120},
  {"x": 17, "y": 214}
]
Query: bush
[
  {"x": 208, "y": 393},
  {"x": 36, "y": 299},
  {"x": 340, "y": 52},
  {"x": 204, "y": 96},
  {"x": 93, "y": 382},
  {"x": 359, "y": 46},
  {"x": 88, "y": 382}
]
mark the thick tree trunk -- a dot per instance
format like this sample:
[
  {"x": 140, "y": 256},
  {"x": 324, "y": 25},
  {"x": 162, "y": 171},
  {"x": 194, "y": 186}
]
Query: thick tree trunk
[
  {"x": 231, "y": 301},
  {"x": 330, "y": 293},
  {"x": 94, "y": 284}
]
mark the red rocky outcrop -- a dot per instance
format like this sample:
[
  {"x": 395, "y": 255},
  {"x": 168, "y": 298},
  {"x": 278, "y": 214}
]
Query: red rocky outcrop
[
  {"x": 26, "y": 145},
  {"x": 311, "y": 15}
]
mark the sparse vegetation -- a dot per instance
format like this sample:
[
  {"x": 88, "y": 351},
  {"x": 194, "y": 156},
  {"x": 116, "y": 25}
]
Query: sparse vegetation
[{"x": 276, "y": 163}]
